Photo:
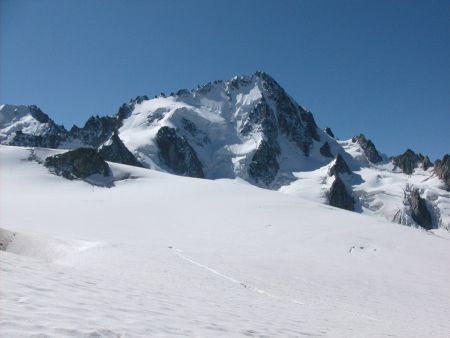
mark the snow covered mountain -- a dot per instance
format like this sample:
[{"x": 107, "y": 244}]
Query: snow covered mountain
[
  {"x": 243, "y": 241},
  {"x": 247, "y": 127},
  {"x": 250, "y": 128},
  {"x": 28, "y": 125}
]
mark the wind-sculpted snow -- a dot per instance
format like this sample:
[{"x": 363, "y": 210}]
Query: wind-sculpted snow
[{"x": 161, "y": 255}]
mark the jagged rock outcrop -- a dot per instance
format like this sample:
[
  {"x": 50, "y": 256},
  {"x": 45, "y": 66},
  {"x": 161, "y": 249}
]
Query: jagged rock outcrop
[
  {"x": 39, "y": 115},
  {"x": 262, "y": 117},
  {"x": 178, "y": 154},
  {"x": 409, "y": 160},
  {"x": 114, "y": 150},
  {"x": 325, "y": 150},
  {"x": 426, "y": 163},
  {"x": 370, "y": 151},
  {"x": 95, "y": 131},
  {"x": 339, "y": 197},
  {"x": 29, "y": 126},
  {"x": 328, "y": 131},
  {"x": 442, "y": 170},
  {"x": 293, "y": 120},
  {"x": 264, "y": 165},
  {"x": 339, "y": 167},
  {"x": 48, "y": 140},
  {"x": 79, "y": 163},
  {"x": 419, "y": 210}
]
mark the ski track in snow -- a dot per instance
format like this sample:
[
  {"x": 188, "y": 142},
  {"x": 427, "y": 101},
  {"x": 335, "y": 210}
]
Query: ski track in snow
[{"x": 180, "y": 254}]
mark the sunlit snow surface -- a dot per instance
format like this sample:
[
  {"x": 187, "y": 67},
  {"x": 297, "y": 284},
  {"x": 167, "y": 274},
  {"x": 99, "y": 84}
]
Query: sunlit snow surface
[
  {"x": 378, "y": 190},
  {"x": 162, "y": 256}
]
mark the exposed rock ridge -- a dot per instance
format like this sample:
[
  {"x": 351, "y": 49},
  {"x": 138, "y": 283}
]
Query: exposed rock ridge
[
  {"x": 339, "y": 196},
  {"x": 370, "y": 151},
  {"x": 325, "y": 150},
  {"x": 79, "y": 163},
  {"x": 409, "y": 160},
  {"x": 114, "y": 150},
  {"x": 177, "y": 153},
  {"x": 339, "y": 167}
]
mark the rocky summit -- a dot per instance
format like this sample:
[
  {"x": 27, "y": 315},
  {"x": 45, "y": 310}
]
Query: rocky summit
[
  {"x": 249, "y": 128},
  {"x": 409, "y": 160}
]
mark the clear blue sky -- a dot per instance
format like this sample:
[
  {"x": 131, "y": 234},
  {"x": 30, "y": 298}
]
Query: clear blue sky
[{"x": 377, "y": 67}]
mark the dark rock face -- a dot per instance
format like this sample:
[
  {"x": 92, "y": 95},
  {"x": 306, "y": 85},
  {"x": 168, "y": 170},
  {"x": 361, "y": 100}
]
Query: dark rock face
[
  {"x": 339, "y": 197},
  {"x": 368, "y": 147},
  {"x": 426, "y": 163},
  {"x": 115, "y": 151},
  {"x": 296, "y": 123},
  {"x": 78, "y": 163},
  {"x": 124, "y": 112},
  {"x": 409, "y": 160},
  {"x": 48, "y": 140},
  {"x": 264, "y": 165},
  {"x": 95, "y": 131},
  {"x": 39, "y": 115},
  {"x": 261, "y": 117},
  {"x": 328, "y": 131},
  {"x": 442, "y": 169},
  {"x": 339, "y": 167},
  {"x": 182, "y": 92},
  {"x": 325, "y": 150},
  {"x": 311, "y": 126},
  {"x": 178, "y": 154},
  {"x": 419, "y": 211}
]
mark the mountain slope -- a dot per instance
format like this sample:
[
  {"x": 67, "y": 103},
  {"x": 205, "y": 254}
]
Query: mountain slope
[
  {"x": 250, "y": 128},
  {"x": 28, "y": 126},
  {"x": 247, "y": 127},
  {"x": 163, "y": 255}
]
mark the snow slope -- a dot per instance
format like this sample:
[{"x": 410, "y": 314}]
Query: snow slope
[
  {"x": 378, "y": 189},
  {"x": 162, "y": 256}
]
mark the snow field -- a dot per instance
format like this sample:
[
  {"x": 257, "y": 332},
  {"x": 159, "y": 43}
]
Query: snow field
[{"x": 161, "y": 255}]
